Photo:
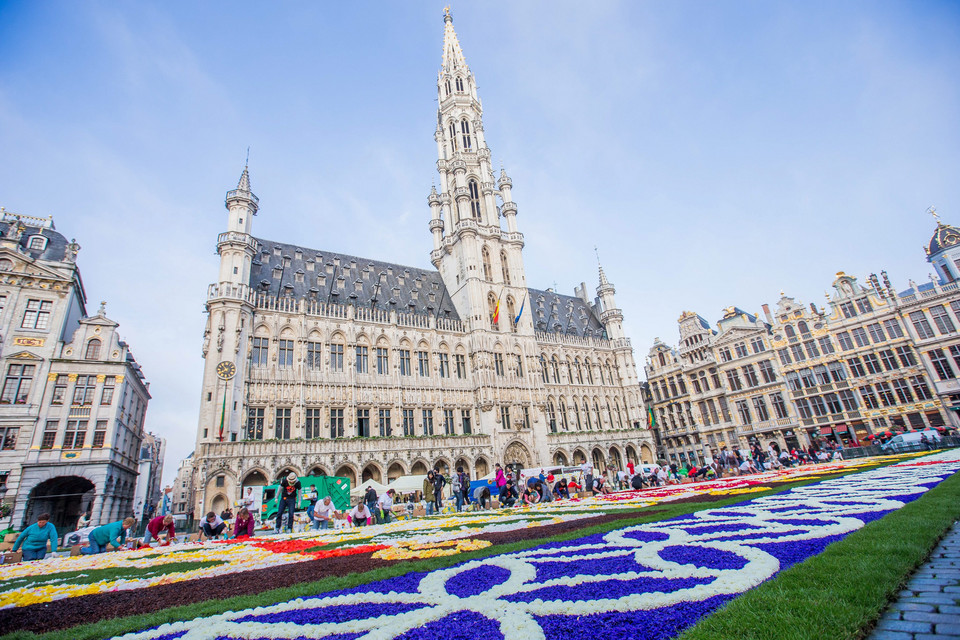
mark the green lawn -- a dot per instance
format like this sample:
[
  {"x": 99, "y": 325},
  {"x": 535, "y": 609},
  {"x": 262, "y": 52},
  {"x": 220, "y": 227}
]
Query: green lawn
[{"x": 842, "y": 591}]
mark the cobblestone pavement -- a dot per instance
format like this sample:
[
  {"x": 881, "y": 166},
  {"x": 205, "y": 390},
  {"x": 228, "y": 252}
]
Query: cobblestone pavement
[{"x": 929, "y": 607}]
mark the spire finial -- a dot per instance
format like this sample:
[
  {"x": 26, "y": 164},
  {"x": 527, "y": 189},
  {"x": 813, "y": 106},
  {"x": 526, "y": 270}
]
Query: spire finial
[
  {"x": 933, "y": 212},
  {"x": 246, "y": 162},
  {"x": 103, "y": 308},
  {"x": 453, "y": 60}
]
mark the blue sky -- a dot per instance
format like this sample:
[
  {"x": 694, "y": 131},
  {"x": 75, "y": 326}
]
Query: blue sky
[{"x": 715, "y": 153}]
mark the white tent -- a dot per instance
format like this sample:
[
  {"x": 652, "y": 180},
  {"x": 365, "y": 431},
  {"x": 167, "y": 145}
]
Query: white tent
[
  {"x": 362, "y": 489},
  {"x": 406, "y": 484}
]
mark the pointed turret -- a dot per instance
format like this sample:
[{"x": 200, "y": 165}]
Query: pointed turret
[{"x": 610, "y": 315}]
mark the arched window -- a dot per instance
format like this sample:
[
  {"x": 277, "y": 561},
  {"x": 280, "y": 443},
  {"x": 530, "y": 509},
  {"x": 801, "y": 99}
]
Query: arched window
[
  {"x": 543, "y": 368},
  {"x": 603, "y": 379},
  {"x": 576, "y": 414},
  {"x": 465, "y": 132},
  {"x": 551, "y": 417},
  {"x": 589, "y": 372},
  {"x": 511, "y": 314},
  {"x": 790, "y": 332},
  {"x": 447, "y": 85},
  {"x": 453, "y": 138},
  {"x": 563, "y": 415},
  {"x": 460, "y": 85},
  {"x": 586, "y": 415},
  {"x": 610, "y": 415},
  {"x": 596, "y": 414},
  {"x": 556, "y": 370},
  {"x": 802, "y": 326},
  {"x": 93, "y": 350},
  {"x": 616, "y": 406},
  {"x": 579, "y": 372},
  {"x": 474, "y": 199},
  {"x": 663, "y": 361},
  {"x": 487, "y": 269},
  {"x": 504, "y": 267}
]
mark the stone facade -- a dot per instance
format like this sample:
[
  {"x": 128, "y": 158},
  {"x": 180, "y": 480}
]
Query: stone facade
[
  {"x": 872, "y": 359},
  {"x": 183, "y": 491},
  {"x": 73, "y": 399},
  {"x": 323, "y": 363}
]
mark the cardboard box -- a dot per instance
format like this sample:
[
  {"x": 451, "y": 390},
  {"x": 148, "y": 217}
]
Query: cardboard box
[
  {"x": 494, "y": 503},
  {"x": 75, "y": 550},
  {"x": 11, "y": 557},
  {"x": 6, "y": 546},
  {"x": 419, "y": 511},
  {"x": 10, "y": 537}
]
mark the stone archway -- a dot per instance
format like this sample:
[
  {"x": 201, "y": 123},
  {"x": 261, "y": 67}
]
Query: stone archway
[
  {"x": 559, "y": 458},
  {"x": 395, "y": 471},
  {"x": 615, "y": 459},
  {"x": 219, "y": 503},
  {"x": 419, "y": 468},
  {"x": 317, "y": 471},
  {"x": 517, "y": 453},
  {"x": 371, "y": 472},
  {"x": 462, "y": 463},
  {"x": 632, "y": 454},
  {"x": 65, "y": 498},
  {"x": 255, "y": 478},
  {"x": 646, "y": 455},
  {"x": 442, "y": 465},
  {"x": 482, "y": 467},
  {"x": 284, "y": 472},
  {"x": 599, "y": 461},
  {"x": 346, "y": 471},
  {"x": 579, "y": 456}
]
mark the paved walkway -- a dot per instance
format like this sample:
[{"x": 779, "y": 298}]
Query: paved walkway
[{"x": 929, "y": 608}]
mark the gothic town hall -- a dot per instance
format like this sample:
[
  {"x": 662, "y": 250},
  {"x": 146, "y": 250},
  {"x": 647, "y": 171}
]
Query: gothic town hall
[{"x": 323, "y": 363}]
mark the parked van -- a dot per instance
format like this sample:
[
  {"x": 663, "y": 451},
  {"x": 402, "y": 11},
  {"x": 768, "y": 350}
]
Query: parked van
[{"x": 910, "y": 441}]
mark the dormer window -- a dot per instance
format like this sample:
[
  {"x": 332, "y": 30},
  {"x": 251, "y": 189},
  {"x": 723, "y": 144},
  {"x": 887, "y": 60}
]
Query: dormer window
[
  {"x": 37, "y": 242},
  {"x": 93, "y": 350}
]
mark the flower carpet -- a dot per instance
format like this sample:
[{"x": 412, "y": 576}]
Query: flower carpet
[
  {"x": 57, "y": 578},
  {"x": 659, "y": 577}
]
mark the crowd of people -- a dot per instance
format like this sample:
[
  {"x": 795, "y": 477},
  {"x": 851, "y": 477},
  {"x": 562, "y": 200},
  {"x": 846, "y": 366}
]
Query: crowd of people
[{"x": 507, "y": 489}]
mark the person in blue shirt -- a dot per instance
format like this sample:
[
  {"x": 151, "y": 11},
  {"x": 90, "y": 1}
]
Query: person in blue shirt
[
  {"x": 34, "y": 538},
  {"x": 114, "y": 533}
]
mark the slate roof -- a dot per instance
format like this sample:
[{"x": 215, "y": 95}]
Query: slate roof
[
  {"x": 557, "y": 313},
  {"x": 281, "y": 269},
  {"x": 56, "y": 248}
]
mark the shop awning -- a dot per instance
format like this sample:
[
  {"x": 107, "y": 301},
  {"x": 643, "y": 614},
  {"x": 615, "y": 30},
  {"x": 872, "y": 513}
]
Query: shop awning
[{"x": 826, "y": 431}]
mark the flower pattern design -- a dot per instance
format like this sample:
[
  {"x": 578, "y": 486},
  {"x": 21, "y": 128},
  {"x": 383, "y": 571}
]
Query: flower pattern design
[{"x": 661, "y": 577}]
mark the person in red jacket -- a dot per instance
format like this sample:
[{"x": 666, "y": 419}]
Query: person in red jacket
[
  {"x": 243, "y": 524},
  {"x": 158, "y": 524}
]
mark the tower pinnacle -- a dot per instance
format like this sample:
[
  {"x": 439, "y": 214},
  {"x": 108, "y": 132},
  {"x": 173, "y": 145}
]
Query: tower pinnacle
[{"x": 453, "y": 59}]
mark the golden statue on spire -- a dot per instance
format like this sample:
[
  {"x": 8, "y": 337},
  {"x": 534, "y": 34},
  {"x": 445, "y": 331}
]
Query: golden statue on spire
[
  {"x": 933, "y": 212},
  {"x": 446, "y": 10}
]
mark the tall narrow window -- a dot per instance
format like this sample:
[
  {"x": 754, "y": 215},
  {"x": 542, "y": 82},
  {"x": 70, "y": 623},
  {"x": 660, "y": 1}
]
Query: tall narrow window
[
  {"x": 449, "y": 427},
  {"x": 465, "y": 132},
  {"x": 465, "y": 421},
  {"x": 93, "y": 350},
  {"x": 312, "y": 426},
  {"x": 428, "y": 422},
  {"x": 363, "y": 423},
  {"x": 551, "y": 417},
  {"x": 446, "y": 85},
  {"x": 362, "y": 360},
  {"x": 385, "y": 431},
  {"x": 405, "y": 362},
  {"x": 504, "y": 267},
  {"x": 336, "y": 357},
  {"x": 49, "y": 434},
  {"x": 453, "y": 138},
  {"x": 282, "y": 426},
  {"x": 258, "y": 355},
  {"x": 383, "y": 362},
  {"x": 60, "y": 389},
  {"x": 314, "y": 355},
  {"x": 474, "y": 190},
  {"x": 423, "y": 363},
  {"x": 255, "y": 423},
  {"x": 285, "y": 354},
  {"x": 408, "y": 422},
  {"x": 444, "y": 364},
  {"x": 460, "y": 361},
  {"x": 336, "y": 423},
  {"x": 459, "y": 85}
]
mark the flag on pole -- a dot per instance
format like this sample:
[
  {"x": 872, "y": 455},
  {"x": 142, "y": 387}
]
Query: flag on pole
[
  {"x": 496, "y": 311},
  {"x": 223, "y": 412},
  {"x": 651, "y": 419},
  {"x": 522, "y": 304}
]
